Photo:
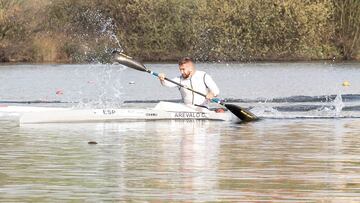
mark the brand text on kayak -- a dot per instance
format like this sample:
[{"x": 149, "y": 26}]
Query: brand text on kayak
[{"x": 190, "y": 115}]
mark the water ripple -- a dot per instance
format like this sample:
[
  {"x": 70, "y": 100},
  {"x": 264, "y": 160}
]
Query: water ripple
[{"x": 270, "y": 160}]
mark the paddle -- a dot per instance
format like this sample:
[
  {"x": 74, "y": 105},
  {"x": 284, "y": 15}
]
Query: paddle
[{"x": 239, "y": 112}]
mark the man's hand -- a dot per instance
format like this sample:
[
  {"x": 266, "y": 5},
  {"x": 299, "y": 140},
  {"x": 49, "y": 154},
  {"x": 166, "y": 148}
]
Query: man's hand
[
  {"x": 162, "y": 77},
  {"x": 210, "y": 95}
]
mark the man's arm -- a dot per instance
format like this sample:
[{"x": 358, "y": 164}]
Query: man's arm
[
  {"x": 214, "y": 90},
  {"x": 167, "y": 83}
]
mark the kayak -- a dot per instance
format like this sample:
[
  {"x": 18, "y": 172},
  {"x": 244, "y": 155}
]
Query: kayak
[{"x": 162, "y": 111}]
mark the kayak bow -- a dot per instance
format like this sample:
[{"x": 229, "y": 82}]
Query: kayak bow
[{"x": 162, "y": 111}]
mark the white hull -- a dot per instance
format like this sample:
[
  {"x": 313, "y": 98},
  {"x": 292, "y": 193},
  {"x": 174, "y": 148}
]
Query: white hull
[{"x": 163, "y": 111}]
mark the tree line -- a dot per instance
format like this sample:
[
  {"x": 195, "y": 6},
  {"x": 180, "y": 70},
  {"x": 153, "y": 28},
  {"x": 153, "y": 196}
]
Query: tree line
[{"x": 164, "y": 30}]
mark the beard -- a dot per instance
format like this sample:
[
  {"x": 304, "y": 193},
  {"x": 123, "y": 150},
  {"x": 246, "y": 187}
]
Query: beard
[{"x": 186, "y": 75}]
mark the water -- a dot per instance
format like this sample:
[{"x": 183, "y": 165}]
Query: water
[
  {"x": 238, "y": 81},
  {"x": 304, "y": 150}
]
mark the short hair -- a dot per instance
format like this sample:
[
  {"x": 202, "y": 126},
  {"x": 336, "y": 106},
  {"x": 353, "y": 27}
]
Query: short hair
[{"x": 185, "y": 60}]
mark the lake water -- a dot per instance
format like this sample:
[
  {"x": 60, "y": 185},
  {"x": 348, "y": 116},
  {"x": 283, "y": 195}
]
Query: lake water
[{"x": 304, "y": 149}]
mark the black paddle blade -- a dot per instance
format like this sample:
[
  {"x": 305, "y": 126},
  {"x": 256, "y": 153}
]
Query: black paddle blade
[
  {"x": 242, "y": 114},
  {"x": 128, "y": 61}
]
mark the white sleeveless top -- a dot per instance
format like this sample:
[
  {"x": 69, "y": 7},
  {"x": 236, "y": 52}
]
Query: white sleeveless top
[{"x": 200, "y": 82}]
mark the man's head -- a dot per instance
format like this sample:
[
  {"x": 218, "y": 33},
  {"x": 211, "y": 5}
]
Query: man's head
[{"x": 186, "y": 67}]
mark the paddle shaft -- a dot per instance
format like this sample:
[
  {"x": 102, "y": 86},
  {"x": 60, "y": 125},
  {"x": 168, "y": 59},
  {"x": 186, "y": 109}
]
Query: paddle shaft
[
  {"x": 242, "y": 114},
  {"x": 183, "y": 86},
  {"x": 248, "y": 115},
  {"x": 128, "y": 61}
]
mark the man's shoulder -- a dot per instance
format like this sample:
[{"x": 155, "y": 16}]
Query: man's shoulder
[{"x": 200, "y": 73}]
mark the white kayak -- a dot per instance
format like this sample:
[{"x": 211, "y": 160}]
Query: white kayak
[{"x": 162, "y": 111}]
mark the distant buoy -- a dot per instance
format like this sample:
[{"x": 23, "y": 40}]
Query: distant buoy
[
  {"x": 59, "y": 92},
  {"x": 92, "y": 142},
  {"x": 346, "y": 83}
]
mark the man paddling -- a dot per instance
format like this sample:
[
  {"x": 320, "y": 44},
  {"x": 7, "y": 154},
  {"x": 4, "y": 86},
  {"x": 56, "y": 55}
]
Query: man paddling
[
  {"x": 194, "y": 79},
  {"x": 239, "y": 112}
]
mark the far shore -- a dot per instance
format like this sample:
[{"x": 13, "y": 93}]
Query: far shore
[{"x": 175, "y": 62}]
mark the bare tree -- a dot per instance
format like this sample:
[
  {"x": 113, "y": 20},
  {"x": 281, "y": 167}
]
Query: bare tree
[{"x": 347, "y": 19}]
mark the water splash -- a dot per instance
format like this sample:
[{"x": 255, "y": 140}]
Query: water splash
[
  {"x": 104, "y": 90},
  {"x": 338, "y": 104},
  {"x": 266, "y": 111},
  {"x": 330, "y": 106},
  {"x": 98, "y": 40},
  {"x": 97, "y": 37},
  {"x": 108, "y": 29}
]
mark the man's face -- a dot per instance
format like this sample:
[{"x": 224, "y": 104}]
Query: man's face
[{"x": 186, "y": 69}]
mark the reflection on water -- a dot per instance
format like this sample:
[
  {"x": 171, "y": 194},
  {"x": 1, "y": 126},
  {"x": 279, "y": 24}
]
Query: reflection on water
[{"x": 275, "y": 160}]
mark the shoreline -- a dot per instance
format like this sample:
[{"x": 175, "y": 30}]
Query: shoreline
[{"x": 175, "y": 62}]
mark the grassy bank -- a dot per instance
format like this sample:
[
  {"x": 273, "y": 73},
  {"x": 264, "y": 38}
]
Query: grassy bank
[{"x": 161, "y": 30}]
